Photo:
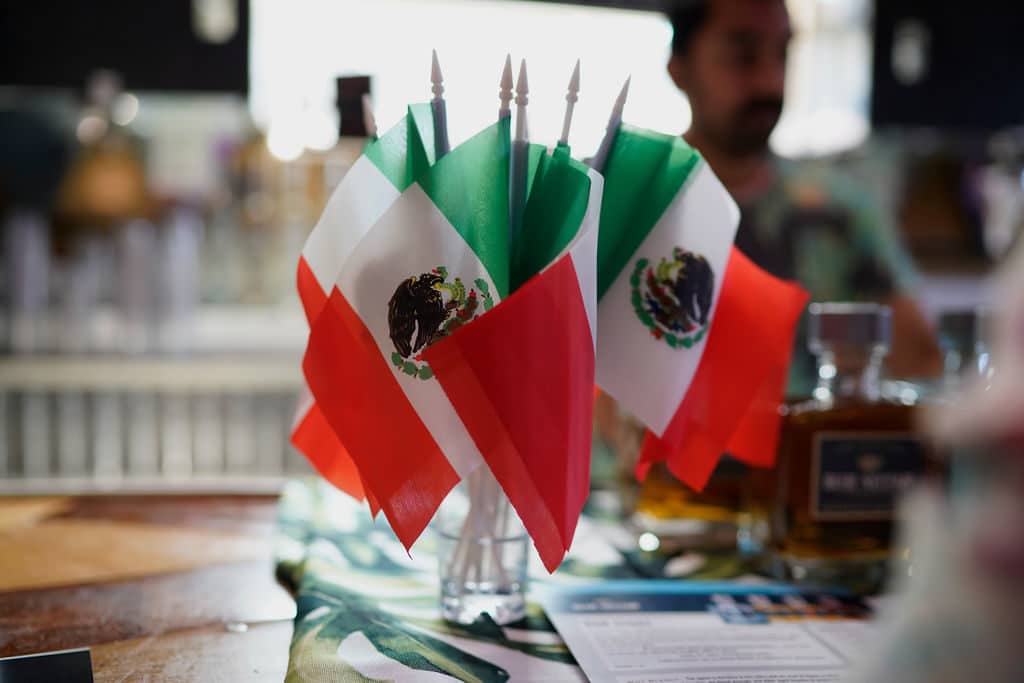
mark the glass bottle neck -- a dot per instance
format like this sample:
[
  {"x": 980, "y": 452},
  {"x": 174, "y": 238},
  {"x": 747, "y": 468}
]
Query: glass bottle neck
[{"x": 850, "y": 374}]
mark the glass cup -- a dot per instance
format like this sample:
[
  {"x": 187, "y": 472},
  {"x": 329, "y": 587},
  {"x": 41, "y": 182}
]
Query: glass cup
[{"x": 482, "y": 553}]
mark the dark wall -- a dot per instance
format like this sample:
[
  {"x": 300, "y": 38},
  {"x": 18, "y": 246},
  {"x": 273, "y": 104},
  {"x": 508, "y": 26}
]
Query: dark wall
[
  {"x": 151, "y": 43},
  {"x": 974, "y": 57}
]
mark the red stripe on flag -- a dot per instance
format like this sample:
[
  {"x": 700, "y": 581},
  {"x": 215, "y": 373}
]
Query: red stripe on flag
[
  {"x": 315, "y": 439},
  {"x": 522, "y": 380},
  {"x": 401, "y": 465},
  {"x": 756, "y": 438},
  {"x": 310, "y": 293},
  {"x": 374, "y": 505},
  {"x": 322, "y": 451},
  {"x": 732, "y": 403}
]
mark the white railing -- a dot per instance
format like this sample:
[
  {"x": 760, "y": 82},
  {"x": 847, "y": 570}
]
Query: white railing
[{"x": 139, "y": 424}]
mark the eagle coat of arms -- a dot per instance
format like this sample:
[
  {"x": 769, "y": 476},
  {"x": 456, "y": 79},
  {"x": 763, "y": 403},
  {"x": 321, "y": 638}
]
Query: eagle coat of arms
[
  {"x": 673, "y": 298},
  {"x": 427, "y": 308}
]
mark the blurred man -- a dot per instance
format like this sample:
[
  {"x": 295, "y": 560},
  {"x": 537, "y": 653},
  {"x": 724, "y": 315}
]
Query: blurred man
[{"x": 729, "y": 57}]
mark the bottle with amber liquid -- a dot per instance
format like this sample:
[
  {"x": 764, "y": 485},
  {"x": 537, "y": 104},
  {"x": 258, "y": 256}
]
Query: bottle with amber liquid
[
  {"x": 845, "y": 456},
  {"x": 721, "y": 518}
]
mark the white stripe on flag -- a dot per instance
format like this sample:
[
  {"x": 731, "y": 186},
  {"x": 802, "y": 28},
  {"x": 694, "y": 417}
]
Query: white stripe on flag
[
  {"x": 584, "y": 251},
  {"x": 413, "y": 237},
  {"x": 361, "y": 198},
  {"x": 647, "y": 376}
]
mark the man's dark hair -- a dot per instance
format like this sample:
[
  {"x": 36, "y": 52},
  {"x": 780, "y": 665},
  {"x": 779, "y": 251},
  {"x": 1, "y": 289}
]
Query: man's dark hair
[{"x": 687, "y": 18}]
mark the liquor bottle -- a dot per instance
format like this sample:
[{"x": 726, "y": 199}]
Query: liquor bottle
[
  {"x": 353, "y": 129},
  {"x": 845, "y": 456},
  {"x": 724, "y": 517},
  {"x": 102, "y": 213}
]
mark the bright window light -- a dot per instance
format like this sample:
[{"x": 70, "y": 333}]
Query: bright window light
[{"x": 299, "y": 47}]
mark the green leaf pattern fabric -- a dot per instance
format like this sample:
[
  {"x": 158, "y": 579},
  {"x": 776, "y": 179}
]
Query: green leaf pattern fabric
[{"x": 365, "y": 606}]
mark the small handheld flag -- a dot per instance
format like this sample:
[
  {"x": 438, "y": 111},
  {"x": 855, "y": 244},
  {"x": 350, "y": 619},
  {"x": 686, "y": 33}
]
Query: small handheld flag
[{"x": 679, "y": 306}]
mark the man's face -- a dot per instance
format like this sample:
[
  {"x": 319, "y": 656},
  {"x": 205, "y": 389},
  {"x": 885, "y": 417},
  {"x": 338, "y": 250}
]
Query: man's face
[{"x": 734, "y": 73}]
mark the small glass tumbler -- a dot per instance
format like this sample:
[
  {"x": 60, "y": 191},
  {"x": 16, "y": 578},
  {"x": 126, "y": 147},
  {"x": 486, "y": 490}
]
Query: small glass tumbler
[{"x": 482, "y": 553}]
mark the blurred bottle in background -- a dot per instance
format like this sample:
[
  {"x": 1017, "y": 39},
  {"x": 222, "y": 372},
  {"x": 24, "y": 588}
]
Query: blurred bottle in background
[
  {"x": 32, "y": 163},
  {"x": 136, "y": 287},
  {"x": 178, "y": 256},
  {"x": 27, "y": 246},
  {"x": 729, "y": 516},
  {"x": 846, "y": 456},
  {"x": 353, "y": 93},
  {"x": 104, "y": 194}
]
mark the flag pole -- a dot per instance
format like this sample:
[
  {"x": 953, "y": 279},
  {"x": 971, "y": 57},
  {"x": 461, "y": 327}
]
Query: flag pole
[
  {"x": 520, "y": 154},
  {"x": 601, "y": 157},
  {"x": 572, "y": 96},
  {"x": 505, "y": 90},
  {"x": 439, "y": 108}
]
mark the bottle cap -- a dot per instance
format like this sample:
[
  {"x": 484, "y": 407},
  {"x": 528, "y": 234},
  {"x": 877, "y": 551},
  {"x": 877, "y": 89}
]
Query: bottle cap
[
  {"x": 350, "y": 91},
  {"x": 864, "y": 325}
]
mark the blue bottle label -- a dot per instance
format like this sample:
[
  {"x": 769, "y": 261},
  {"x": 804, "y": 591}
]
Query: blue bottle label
[{"x": 860, "y": 476}]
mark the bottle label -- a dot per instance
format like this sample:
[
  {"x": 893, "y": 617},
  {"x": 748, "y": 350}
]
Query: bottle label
[{"x": 860, "y": 476}]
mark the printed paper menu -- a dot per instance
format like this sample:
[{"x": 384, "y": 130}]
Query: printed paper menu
[{"x": 697, "y": 632}]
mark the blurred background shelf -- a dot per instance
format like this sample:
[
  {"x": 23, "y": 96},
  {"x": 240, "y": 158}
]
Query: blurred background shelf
[
  {"x": 215, "y": 419},
  {"x": 243, "y": 373},
  {"x": 148, "y": 426}
]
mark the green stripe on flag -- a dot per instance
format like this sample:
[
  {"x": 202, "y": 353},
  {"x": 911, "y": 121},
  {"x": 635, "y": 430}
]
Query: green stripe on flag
[
  {"x": 536, "y": 159},
  {"x": 470, "y": 187},
  {"x": 644, "y": 173},
  {"x": 422, "y": 154},
  {"x": 557, "y": 204},
  {"x": 407, "y": 149}
]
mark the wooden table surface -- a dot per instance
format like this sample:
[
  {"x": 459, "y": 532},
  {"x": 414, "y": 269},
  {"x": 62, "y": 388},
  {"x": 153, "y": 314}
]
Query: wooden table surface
[{"x": 160, "y": 588}]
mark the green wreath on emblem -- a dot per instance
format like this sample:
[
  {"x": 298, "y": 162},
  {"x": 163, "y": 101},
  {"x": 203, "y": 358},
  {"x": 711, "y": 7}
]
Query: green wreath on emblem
[
  {"x": 673, "y": 299},
  {"x": 427, "y": 308}
]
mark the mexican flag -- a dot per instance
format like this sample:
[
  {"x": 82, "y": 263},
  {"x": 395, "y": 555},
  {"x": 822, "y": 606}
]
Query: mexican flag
[
  {"x": 522, "y": 376},
  {"x": 437, "y": 345},
  {"x": 385, "y": 169},
  {"x": 420, "y": 263},
  {"x": 695, "y": 340}
]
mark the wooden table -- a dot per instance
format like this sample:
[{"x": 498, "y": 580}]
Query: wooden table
[{"x": 164, "y": 588}]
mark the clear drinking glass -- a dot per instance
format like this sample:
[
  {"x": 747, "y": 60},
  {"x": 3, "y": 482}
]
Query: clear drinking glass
[{"x": 482, "y": 553}]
